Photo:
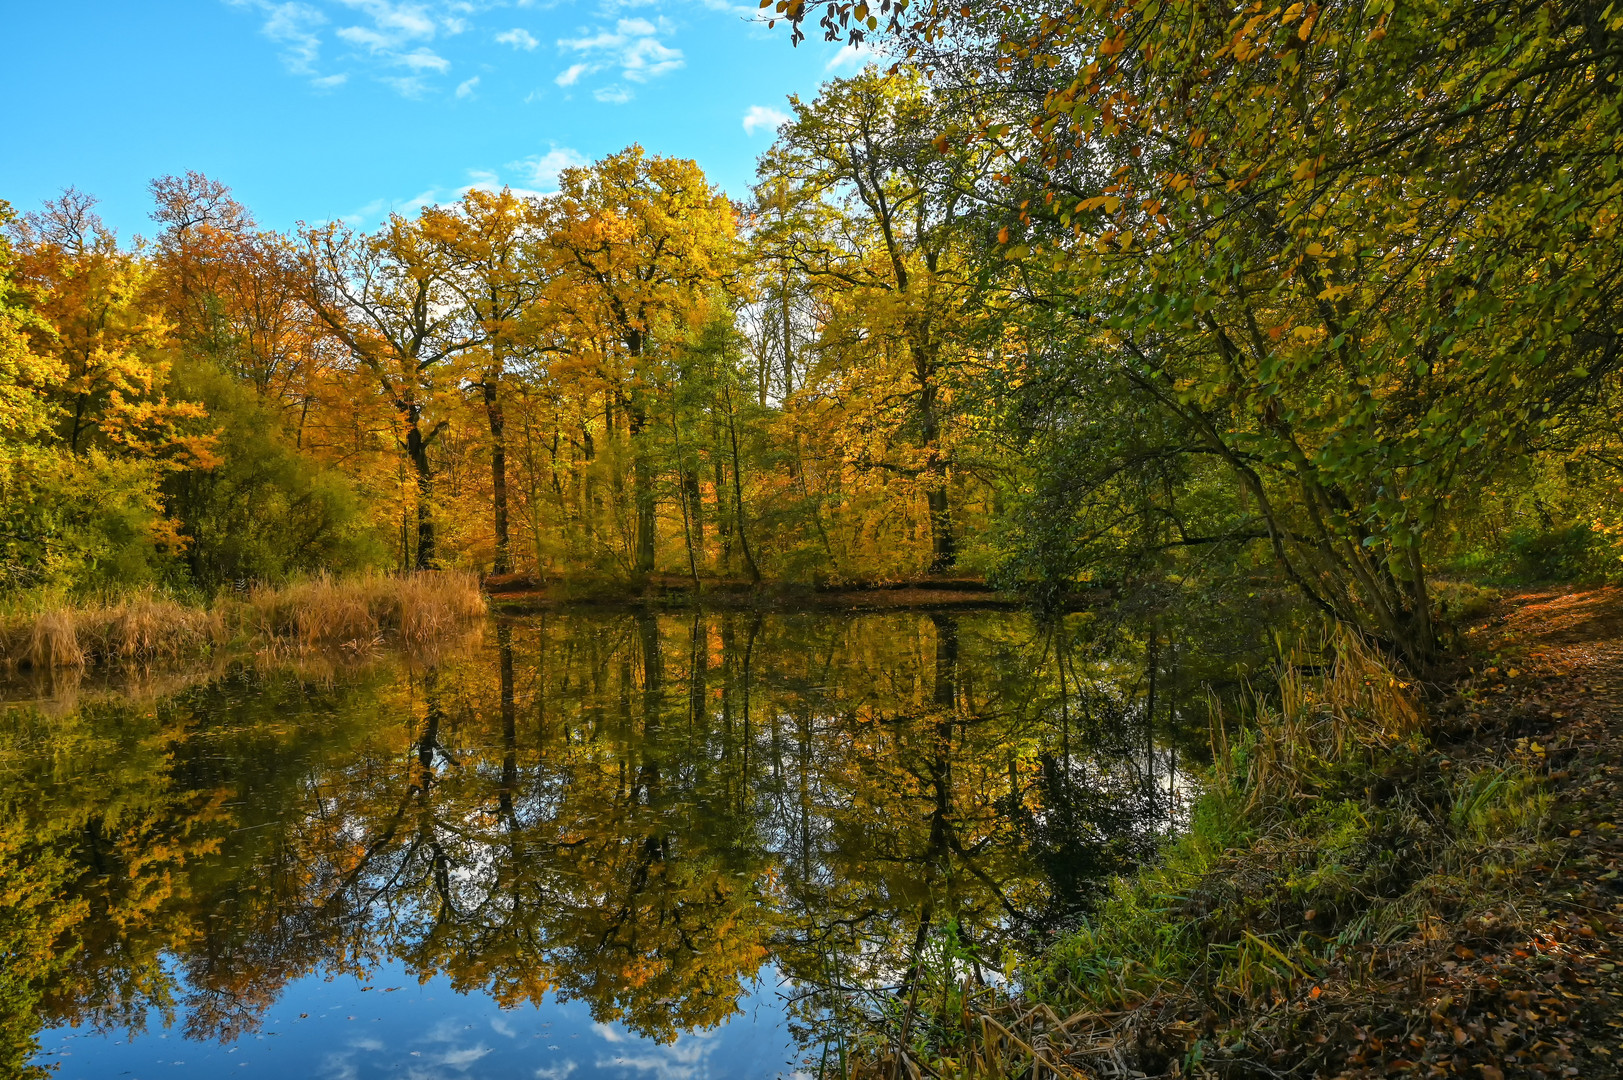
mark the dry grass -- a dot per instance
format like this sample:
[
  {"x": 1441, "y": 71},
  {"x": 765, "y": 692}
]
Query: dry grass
[
  {"x": 1359, "y": 705},
  {"x": 322, "y": 613}
]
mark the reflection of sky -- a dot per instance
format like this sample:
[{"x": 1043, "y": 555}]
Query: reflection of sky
[{"x": 394, "y": 1027}]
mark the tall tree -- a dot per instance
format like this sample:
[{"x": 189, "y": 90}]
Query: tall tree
[
  {"x": 502, "y": 269},
  {"x": 390, "y": 299},
  {"x": 641, "y": 243},
  {"x": 879, "y": 226},
  {"x": 1362, "y": 254}
]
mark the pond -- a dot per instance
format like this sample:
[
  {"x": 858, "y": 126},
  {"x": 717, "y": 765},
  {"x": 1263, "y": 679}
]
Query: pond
[{"x": 584, "y": 845}]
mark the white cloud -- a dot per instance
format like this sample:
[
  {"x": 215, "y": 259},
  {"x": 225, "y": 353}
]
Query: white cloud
[
  {"x": 518, "y": 38},
  {"x": 378, "y": 209},
  {"x": 393, "y": 24},
  {"x": 852, "y": 58},
  {"x": 293, "y": 26},
  {"x": 424, "y": 60},
  {"x": 405, "y": 85},
  {"x": 633, "y": 46},
  {"x": 465, "y": 88},
  {"x": 647, "y": 58},
  {"x": 364, "y": 38},
  {"x": 400, "y": 43},
  {"x": 763, "y": 116},
  {"x": 543, "y": 169},
  {"x": 395, "y": 34}
]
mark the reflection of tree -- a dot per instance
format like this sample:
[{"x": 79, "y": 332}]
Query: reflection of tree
[{"x": 637, "y": 811}]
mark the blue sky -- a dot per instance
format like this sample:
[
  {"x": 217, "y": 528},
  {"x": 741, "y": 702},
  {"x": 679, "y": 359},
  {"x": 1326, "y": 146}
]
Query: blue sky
[{"x": 323, "y": 109}]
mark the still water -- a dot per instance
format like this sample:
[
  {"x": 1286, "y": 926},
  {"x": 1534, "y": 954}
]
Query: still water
[{"x": 581, "y": 845}]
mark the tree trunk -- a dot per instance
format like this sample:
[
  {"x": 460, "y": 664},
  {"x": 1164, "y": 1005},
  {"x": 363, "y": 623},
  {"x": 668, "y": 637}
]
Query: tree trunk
[
  {"x": 943, "y": 548},
  {"x": 642, "y": 486},
  {"x": 417, "y": 450},
  {"x": 738, "y": 496},
  {"x": 788, "y": 338},
  {"x": 498, "y": 472},
  {"x": 690, "y": 487},
  {"x": 504, "y": 642}
]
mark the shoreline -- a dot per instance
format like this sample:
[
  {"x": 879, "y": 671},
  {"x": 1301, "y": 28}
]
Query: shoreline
[
  {"x": 516, "y": 595},
  {"x": 1372, "y": 884}
]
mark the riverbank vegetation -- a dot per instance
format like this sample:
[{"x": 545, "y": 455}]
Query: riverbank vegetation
[
  {"x": 357, "y": 612},
  {"x": 1364, "y": 886}
]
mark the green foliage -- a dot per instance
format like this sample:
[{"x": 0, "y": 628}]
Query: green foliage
[
  {"x": 79, "y": 523},
  {"x": 265, "y": 512},
  {"x": 1362, "y": 257}
]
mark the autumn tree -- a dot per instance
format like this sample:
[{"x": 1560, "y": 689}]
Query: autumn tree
[
  {"x": 232, "y": 291},
  {"x": 102, "y": 382},
  {"x": 391, "y": 300},
  {"x": 502, "y": 268},
  {"x": 640, "y": 241},
  {"x": 856, "y": 196}
]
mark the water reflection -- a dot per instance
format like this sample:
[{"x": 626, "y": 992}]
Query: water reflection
[{"x": 637, "y": 814}]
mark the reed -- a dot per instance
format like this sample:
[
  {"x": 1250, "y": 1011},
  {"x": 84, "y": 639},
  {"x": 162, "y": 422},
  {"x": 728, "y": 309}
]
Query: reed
[
  {"x": 1358, "y": 706},
  {"x": 418, "y": 611}
]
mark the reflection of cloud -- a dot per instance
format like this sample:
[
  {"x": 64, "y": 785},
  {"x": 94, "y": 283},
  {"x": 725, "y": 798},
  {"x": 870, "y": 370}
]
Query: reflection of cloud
[
  {"x": 682, "y": 1060},
  {"x": 445, "y": 1031},
  {"x": 339, "y": 1067},
  {"x": 500, "y": 1026},
  {"x": 555, "y": 1072},
  {"x": 462, "y": 1059},
  {"x": 366, "y": 1044},
  {"x": 763, "y": 116}
]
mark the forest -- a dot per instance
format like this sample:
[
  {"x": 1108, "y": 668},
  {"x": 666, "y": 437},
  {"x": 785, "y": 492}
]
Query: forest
[
  {"x": 1327, "y": 297},
  {"x": 1255, "y": 370}
]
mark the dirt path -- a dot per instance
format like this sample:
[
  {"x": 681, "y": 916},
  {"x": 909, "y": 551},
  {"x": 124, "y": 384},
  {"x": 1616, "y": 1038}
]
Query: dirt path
[{"x": 1537, "y": 992}]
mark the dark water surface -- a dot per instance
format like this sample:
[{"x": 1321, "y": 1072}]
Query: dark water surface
[{"x": 583, "y": 845}]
